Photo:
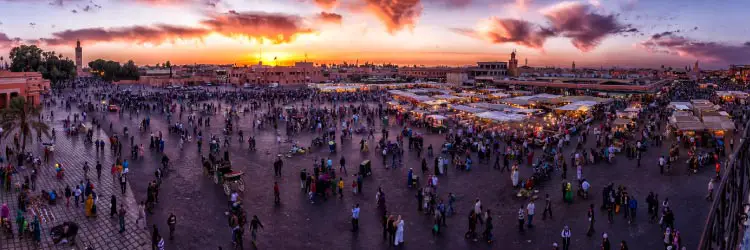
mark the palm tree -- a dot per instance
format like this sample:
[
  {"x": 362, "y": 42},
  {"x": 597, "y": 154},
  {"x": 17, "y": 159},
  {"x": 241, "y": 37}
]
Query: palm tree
[{"x": 20, "y": 115}]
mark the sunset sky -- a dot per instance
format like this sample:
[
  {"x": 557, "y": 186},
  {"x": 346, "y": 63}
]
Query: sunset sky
[{"x": 626, "y": 33}]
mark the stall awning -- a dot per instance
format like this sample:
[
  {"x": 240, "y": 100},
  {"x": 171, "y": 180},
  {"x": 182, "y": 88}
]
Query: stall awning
[
  {"x": 622, "y": 122},
  {"x": 690, "y": 126},
  {"x": 437, "y": 117},
  {"x": 501, "y": 116},
  {"x": 467, "y": 109}
]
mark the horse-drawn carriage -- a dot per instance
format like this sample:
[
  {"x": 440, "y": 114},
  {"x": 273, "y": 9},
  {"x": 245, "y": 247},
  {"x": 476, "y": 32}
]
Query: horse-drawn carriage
[{"x": 222, "y": 174}]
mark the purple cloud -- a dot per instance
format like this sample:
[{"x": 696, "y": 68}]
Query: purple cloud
[
  {"x": 708, "y": 51},
  {"x": 585, "y": 27}
]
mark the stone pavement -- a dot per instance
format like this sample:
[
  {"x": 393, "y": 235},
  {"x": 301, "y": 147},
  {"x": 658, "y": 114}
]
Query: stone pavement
[
  {"x": 200, "y": 204},
  {"x": 101, "y": 232}
]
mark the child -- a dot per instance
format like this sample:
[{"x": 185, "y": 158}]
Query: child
[
  {"x": 354, "y": 186},
  {"x": 311, "y": 196}
]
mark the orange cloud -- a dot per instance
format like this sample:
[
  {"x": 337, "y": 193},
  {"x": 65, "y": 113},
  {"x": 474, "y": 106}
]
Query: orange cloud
[
  {"x": 276, "y": 28},
  {"x": 395, "y": 14},
  {"x": 505, "y": 30},
  {"x": 326, "y": 4},
  {"x": 328, "y": 17}
]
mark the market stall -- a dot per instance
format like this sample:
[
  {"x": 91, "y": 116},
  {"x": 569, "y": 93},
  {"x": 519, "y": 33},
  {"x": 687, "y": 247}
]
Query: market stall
[{"x": 436, "y": 123}]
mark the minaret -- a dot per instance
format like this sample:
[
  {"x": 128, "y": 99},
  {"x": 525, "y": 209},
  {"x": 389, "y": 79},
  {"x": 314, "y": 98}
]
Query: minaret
[
  {"x": 696, "y": 71},
  {"x": 79, "y": 58},
  {"x": 513, "y": 65},
  {"x": 526, "y": 62}
]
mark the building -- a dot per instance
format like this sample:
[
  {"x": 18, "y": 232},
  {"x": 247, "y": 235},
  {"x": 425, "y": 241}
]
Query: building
[
  {"x": 456, "y": 78},
  {"x": 740, "y": 73},
  {"x": 489, "y": 71},
  {"x": 300, "y": 73},
  {"x": 513, "y": 65},
  {"x": 438, "y": 74},
  {"x": 79, "y": 58},
  {"x": 26, "y": 84}
]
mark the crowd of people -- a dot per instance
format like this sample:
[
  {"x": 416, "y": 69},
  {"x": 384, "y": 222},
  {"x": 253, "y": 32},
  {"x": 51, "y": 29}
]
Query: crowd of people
[{"x": 331, "y": 116}]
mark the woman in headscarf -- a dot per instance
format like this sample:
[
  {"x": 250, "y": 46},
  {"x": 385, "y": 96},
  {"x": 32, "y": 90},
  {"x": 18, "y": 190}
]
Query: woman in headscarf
[
  {"x": 89, "y": 206},
  {"x": 37, "y": 230},
  {"x": 399, "y": 231},
  {"x": 5, "y": 211}
]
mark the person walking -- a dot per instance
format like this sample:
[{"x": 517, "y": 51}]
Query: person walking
[
  {"x": 77, "y": 194},
  {"x": 171, "y": 222},
  {"x": 399, "y": 231},
  {"x": 276, "y": 193},
  {"x": 565, "y": 234},
  {"x": 547, "y": 208},
  {"x": 121, "y": 217},
  {"x": 355, "y": 218},
  {"x": 68, "y": 193},
  {"x": 341, "y": 187},
  {"x": 123, "y": 183},
  {"x": 343, "y": 164},
  {"x": 112, "y": 207},
  {"x": 710, "y": 195},
  {"x": 590, "y": 216},
  {"x": 155, "y": 237},
  {"x": 530, "y": 208},
  {"x": 255, "y": 224},
  {"x": 98, "y": 170},
  {"x": 521, "y": 217}
]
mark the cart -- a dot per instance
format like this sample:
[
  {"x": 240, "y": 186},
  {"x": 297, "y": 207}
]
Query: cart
[
  {"x": 220, "y": 170},
  {"x": 365, "y": 168},
  {"x": 233, "y": 182}
]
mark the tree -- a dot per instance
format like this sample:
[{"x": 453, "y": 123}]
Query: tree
[
  {"x": 31, "y": 58},
  {"x": 19, "y": 116},
  {"x": 113, "y": 71}
]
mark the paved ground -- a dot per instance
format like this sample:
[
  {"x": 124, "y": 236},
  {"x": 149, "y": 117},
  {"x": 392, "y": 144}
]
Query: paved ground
[
  {"x": 200, "y": 204},
  {"x": 100, "y": 232}
]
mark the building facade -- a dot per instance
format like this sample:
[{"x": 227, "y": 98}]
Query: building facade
[
  {"x": 488, "y": 71},
  {"x": 438, "y": 74},
  {"x": 456, "y": 78},
  {"x": 29, "y": 85},
  {"x": 300, "y": 73}
]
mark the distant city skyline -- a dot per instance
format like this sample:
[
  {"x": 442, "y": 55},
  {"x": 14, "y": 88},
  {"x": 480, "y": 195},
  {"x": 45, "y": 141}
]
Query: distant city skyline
[{"x": 593, "y": 33}]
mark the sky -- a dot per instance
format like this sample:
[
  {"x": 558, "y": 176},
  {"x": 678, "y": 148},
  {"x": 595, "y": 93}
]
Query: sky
[{"x": 591, "y": 33}]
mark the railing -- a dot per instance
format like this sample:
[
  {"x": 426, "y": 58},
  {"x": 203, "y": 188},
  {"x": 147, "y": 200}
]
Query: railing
[{"x": 724, "y": 226}]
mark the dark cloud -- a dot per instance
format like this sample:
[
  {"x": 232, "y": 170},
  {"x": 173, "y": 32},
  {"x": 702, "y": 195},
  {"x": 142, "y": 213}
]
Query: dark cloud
[
  {"x": 665, "y": 33},
  {"x": 276, "y": 28},
  {"x": 583, "y": 25},
  {"x": 521, "y": 32},
  {"x": 74, "y": 11},
  {"x": 329, "y": 17},
  {"x": 6, "y": 42},
  {"x": 709, "y": 51},
  {"x": 32, "y": 24},
  {"x": 87, "y": 8},
  {"x": 135, "y": 34},
  {"x": 395, "y": 14},
  {"x": 451, "y": 3}
]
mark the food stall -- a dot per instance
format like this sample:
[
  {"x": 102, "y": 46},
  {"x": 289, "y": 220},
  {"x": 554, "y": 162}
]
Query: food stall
[{"x": 436, "y": 123}]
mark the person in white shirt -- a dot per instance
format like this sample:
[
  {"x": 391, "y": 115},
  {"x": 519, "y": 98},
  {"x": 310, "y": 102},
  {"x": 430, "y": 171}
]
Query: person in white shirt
[
  {"x": 565, "y": 234},
  {"x": 530, "y": 213},
  {"x": 662, "y": 162},
  {"x": 585, "y": 186},
  {"x": 710, "y": 196},
  {"x": 478, "y": 210}
]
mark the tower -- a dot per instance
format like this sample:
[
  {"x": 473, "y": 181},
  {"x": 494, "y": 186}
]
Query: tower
[
  {"x": 696, "y": 72},
  {"x": 513, "y": 65},
  {"x": 79, "y": 58},
  {"x": 526, "y": 62}
]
